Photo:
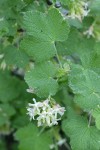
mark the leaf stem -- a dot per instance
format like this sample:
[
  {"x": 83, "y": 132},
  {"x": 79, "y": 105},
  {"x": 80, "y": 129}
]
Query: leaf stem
[
  {"x": 58, "y": 57},
  {"x": 90, "y": 118},
  {"x": 67, "y": 146},
  {"x": 41, "y": 131},
  {"x": 58, "y": 60}
]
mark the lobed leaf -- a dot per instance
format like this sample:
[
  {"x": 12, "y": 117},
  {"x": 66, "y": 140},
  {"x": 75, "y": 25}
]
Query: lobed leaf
[
  {"x": 43, "y": 30},
  {"x": 86, "y": 84},
  {"x": 41, "y": 79},
  {"x": 30, "y": 138},
  {"x": 82, "y": 136},
  {"x": 96, "y": 115}
]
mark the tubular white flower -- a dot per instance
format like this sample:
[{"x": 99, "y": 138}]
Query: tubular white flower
[
  {"x": 46, "y": 104},
  {"x": 30, "y": 113},
  {"x": 46, "y": 115},
  {"x": 33, "y": 109}
]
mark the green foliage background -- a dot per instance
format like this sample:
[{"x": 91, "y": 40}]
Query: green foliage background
[{"x": 41, "y": 48}]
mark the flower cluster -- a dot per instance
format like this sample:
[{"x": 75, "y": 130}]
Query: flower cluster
[
  {"x": 45, "y": 113},
  {"x": 78, "y": 10}
]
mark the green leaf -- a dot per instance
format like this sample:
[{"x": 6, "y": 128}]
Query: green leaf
[
  {"x": 50, "y": 27},
  {"x": 86, "y": 84},
  {"x": 30, "y": 138},
  {"x": 94, "y": 7},
  {"x": 40, "y": 6},
  {"x": 96, "y": 115},
  {"x": 65, "y": 2},
  {"x": 20, "y": 121},
  {"x": 75, "y": 23},
  {"x": 88, "y": 102},
  {"x": 97, "y": 48},
  {"x": 9, "y": 87},
  {"x": 90, "y": 60},
  {"x": 82, "y": 136},
  {"x": 80, "y": 43},
  {"x": 38, "y": 49},
  {"x": 13, "y": 56},
  {"x": 3, "y": 27},
  {"x": 46, "y": 29},
  {"x": 2, "y": 144},
  {"x": 6, "y": 111},
  {"x": 41, "y": 79}
]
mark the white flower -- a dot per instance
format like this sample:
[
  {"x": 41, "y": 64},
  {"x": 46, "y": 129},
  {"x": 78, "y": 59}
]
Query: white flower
[
  {"x": 46, "y": 114},
  {"x": 59, "y": 110},
  {"x": 1, "y": 19},
  {"x": 85, "y": 13},
  {"x": 46, "y": 104},
  {"x": 33, "y": 109},
  {"x": 30, "y": 113},
  {"x": 3, "y": 65},
  {"x": 89, "y": 32},
  {"x": 1, "y": 56},
  {"x": 59, "y": 143}
]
